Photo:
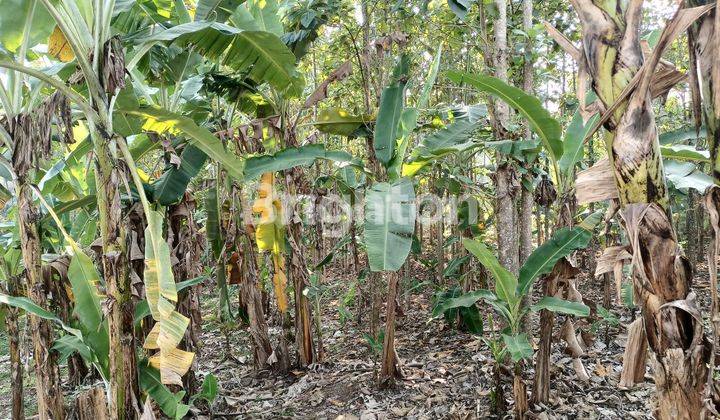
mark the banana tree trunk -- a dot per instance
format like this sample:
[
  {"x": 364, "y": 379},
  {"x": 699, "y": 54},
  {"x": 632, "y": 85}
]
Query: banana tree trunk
[
  {"x": 662, "y": 275},
  {"x": 299, "y": 276},
  {"x": 47, "y": 375},
  {"x": 250, "y": 293},
  {"x": 124, "y": 395},
  {"x": 704, "y": 42},
  {"x": 390, "y": 369},
  {"x": 16, "y": 365}
]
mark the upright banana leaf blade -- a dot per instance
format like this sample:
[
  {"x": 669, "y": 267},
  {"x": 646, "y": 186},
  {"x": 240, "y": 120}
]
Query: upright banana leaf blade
[
  {"x": 505, "y": 281},
  {"x": 573, "y": 146},
  {"x": 84, "y": 279},
  {"x": 392, "y": 102},
  {"x": 562, "y": 244},
  {"x": 389, "y": 224},
  {"x": 171, "y": 186}
]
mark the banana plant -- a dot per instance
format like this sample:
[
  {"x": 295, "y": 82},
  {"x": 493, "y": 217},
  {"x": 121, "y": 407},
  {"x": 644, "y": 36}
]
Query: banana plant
[{"x": 507, "y": 298}]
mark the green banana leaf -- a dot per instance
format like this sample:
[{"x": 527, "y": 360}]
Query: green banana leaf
[
  {"x": 505, "y": 281},
  {"x": 14, "y": 20},
  {"x": 212, "y": 226},
  {"x": 686, "y": 175},
  {"x": 392, "y": 101},
  {"x": 291, "y": 157},
  {"x": 217, "y": 10},
  {"x": 171, "y": 186},
  {"x": 573, "y": 146},
  {"x": 389, "y": 224},
  {"x": 518, "y": 346},
  {"x": 84, "y": 280},
  {"x": 682, "y": 135},
  {"x": 683, "y": 152},
  {"x": 161, "y": 121},
  {"x": 262, "y": 54},
  {"x": 462, "y": 301},
  {"x": 561, "y": 306},
  {"x": 563, "y": 243},
  {"x": 170, "y": 403},
  {"x": 547, "y": 127},
  {"x": 258, "y": 15}
]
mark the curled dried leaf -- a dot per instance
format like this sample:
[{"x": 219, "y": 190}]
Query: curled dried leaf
[
  {"x": 113, "y": 66},
  {"x": 545, "y": 193}
]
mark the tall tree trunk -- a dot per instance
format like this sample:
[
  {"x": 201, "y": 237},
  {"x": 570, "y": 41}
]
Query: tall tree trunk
[
  {"x": 526, "y": 199},
  {"x": 525, "y": 214},
  {"x": 123, "y": 364},
  {"x": 47, "y": 375},
  {"x": 661, "y": 274},
  {"x": 439, "y": 250},
  {"x": 505, "y": 177}
]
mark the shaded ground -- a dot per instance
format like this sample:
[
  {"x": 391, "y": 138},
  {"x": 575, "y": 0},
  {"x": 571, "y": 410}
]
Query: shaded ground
[{"x": 447, "y": 373}]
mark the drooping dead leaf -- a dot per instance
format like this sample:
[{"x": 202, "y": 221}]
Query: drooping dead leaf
[
  {"x": 148, "y": 413},
  {"x": 682, "y": 20},
  {"x": 233, "y": 269},
  {"x": 321, "y": 91},
  {"x": 383, "y": 44},
  {"x": 694, "y": 81},
  {"x": 609, "y": 257},
  {"x": 59, "y": 47},
  {"x": 113, "y": 66},
  {"x": 32, "y": 132},
  {"x": 596, "y": 183},
  {"x": 635, "y": 356}
]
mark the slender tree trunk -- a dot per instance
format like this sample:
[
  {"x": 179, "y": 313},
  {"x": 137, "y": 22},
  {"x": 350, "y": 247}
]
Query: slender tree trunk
[
  {"x": 526, "y": 199},
  {"x": 249, "y": 289},
  {"x": 690, "y": 231},
  {"x": 47, "y": 375},
  {"x": 505, "y": 177},
  {"x": 123, "y": 364},
  {"x": 439, "y": 250}
]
